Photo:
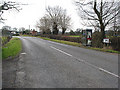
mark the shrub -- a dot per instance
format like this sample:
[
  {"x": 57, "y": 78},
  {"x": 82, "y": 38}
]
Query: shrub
[
  {"x": 5, "y": 39},
  {"x": 115, "y": 43},
  {"x": 96, "y": 40},
  {"x": 65, "y": 38}
]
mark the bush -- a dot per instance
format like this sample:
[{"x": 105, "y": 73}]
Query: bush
[
  {"x": 96, "y": 40},
  {"x": 5, "y": 39},
  {"x": 65, "y": 38},
  {"x": 115, "y": 43}
]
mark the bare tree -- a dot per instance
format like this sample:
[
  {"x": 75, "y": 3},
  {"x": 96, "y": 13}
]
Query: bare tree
[
  {"x": 44, "y": 24},
  {"x": 21, "y": 29},
  {"x": 54, "y": 13},
  {"x": 64, "y": 21},
  {"x": 7, "y": 6},
  {"x": 6, "y": 27},
  {"x": 59, "y": 18},
  {"x": 116, "y": 22},
  {"x": 98, "y": 14}
]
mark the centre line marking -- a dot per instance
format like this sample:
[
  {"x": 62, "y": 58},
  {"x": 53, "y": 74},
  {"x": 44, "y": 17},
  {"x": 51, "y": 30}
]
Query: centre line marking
[
  {"x": 109, "y": 72},
  {"x": 61, "y": 51},
  {"x": 101, "y": 69},
  {"x": 57, "y": 43},
  {"x": 23, "y": 53}
]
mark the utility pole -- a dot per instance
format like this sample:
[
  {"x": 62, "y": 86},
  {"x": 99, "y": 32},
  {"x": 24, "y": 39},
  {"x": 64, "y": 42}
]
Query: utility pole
[{"x": 29, "y": 29}]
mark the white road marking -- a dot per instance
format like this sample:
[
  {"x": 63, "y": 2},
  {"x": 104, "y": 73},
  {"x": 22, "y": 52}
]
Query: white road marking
[
  {"x": 58, "y": 43},
  {"x": 101, "y": 69},
  {"x": 23, "y": 53},
  {"x": 109, "y": 72},
  {"x": 61, "y": 51}
]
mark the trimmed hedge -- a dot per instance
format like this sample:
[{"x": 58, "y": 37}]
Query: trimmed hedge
[
  {"x": 96, "y": 41},
  {"x": 65, "y": 38},
  {"x": 115, "y": 43}
]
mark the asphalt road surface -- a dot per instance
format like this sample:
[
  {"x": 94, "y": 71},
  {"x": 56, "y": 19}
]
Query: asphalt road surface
[
  {"x": 46, "y": 64},
  {"x": 0, "y": 73}
]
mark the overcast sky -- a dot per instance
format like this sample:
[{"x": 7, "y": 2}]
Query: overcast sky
[{"x": 35, "y": 9}]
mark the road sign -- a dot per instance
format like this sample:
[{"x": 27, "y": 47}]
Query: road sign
[{"x": 106, "y": 40}]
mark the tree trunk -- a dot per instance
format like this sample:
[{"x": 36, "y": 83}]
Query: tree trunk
[
  {"x": 63, "y": 31},
  {"x": 102, "y": 33},
  {"x": 55, "y": 29}
]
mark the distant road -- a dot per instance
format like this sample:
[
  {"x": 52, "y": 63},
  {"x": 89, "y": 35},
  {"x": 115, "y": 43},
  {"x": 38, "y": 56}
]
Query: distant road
[{"x": 46, "y": 64}]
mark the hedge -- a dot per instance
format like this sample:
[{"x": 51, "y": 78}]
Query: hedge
[
  {"x": 115, "y": 43},
  {"x": 65, "y": 38}
]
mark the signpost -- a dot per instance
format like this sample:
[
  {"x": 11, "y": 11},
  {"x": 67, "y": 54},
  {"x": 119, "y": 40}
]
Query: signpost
[{"x": 106, "y": 41}]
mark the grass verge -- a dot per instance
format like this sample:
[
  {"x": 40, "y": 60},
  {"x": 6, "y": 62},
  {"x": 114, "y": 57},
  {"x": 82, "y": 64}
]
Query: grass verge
[
  {"x": 80, "y": 45},
  {"x": 62, "y": 41},
  {"x": 74, "y": 35},
  {"x": 27, "y": 35},
  {"x": 12, "y": 48},
  {"x": 104, "y": 50}
]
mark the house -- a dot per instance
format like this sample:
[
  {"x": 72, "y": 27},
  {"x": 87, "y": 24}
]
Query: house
[{"x": 34, "y": 33}]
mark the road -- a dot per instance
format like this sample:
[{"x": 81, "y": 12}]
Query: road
[
  {"x": 47, "y": 64},
  {"x": 0, "y": 72}
]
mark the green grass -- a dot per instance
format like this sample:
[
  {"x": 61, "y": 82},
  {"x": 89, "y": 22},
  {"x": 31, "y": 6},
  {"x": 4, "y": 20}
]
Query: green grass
[
  {"x": 74, "y": 36},
  {"x": 12, "y": 48},
  {"x": 28, "y": 35},
  {"x": 104, "y": 50},
  {"x": 62, "y": 41}
]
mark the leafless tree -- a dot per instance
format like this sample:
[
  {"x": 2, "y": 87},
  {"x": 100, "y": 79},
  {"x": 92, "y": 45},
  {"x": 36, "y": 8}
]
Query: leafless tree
[
  {"x": 116, "y": 22},
  {"x": 59, "y": 19},
  {"x": 44, "y": 24},
  {"x": 64, "y": 21},
  {"x": 7, "y": 6},
  {"x": 98, "y": 13},
  {"x": 54, "y": 14},
  {"x": 6, "y": 27},
  {"x": 21, "y": 29}
]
